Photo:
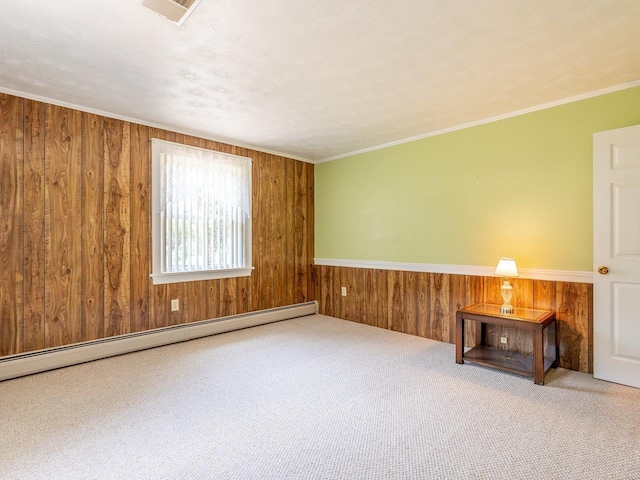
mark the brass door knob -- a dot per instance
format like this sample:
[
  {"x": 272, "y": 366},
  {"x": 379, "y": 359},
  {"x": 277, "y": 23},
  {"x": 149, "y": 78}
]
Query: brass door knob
[{"x": 603, "y": 270}]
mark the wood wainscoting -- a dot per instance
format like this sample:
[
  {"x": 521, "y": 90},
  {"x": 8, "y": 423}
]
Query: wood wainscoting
[
  {"x": 75, "y": 241},
  {"x": 425, "y": 304}
]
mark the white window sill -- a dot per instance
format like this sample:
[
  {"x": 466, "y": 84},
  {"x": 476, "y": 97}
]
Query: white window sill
[{"x": 163, "y": 278}]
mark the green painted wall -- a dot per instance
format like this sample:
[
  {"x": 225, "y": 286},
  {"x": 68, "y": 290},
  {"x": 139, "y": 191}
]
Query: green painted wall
[{"x": 519, "y": 187}]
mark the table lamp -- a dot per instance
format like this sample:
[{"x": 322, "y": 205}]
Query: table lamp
[{"x": 506, "y": 268}]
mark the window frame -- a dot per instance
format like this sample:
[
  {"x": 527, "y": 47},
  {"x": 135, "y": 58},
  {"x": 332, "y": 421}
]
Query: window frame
[{"x": 159, "y": 277}]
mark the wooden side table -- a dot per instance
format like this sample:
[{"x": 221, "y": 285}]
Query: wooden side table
[{"x": 540, "y": 322}]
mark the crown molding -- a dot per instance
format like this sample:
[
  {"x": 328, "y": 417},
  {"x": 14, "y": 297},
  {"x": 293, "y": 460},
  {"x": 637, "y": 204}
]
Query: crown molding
[
  {"x": 193, "y": 133},
  {"x": 544, "y": 106}
]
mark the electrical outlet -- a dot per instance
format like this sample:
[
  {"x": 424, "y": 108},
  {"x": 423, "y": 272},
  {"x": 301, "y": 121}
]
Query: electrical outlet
[
  {"x": 344, "y": 291},
  {"x": 175, "y": 305},
  {"x": 503, "y": 340}
]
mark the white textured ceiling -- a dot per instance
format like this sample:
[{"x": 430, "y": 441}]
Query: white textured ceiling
[{"x": 317, "y": 79}]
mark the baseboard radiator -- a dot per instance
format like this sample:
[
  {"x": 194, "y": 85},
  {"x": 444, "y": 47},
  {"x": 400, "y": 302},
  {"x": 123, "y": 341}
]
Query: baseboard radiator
[{"x": 13, "y": 366}]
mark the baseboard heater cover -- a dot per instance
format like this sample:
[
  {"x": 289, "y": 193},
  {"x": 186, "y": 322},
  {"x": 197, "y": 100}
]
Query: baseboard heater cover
[{"x": 19, "y": 365}]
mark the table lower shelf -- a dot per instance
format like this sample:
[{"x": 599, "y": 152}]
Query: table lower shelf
[{"x": 512, "y": 362}]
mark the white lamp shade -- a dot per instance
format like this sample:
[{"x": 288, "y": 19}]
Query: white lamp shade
[{"x": 507, "y": 268}]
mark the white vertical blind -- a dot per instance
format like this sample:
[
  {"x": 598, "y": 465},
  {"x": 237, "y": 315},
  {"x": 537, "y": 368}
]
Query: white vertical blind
[{"x": 202, "y": 201}]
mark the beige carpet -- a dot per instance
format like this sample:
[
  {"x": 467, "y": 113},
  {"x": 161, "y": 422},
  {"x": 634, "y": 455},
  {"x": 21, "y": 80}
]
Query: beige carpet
[{"x": 313, "y": 398}]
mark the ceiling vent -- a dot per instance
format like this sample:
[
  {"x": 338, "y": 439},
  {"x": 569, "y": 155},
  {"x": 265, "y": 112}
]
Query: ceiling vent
[{"x": 175, "y": 10}]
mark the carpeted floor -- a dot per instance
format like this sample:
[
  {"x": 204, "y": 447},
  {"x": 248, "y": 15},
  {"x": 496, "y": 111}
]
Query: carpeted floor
[{"x": 313, "y": 398}]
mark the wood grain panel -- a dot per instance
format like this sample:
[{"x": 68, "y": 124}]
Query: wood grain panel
[
  {"x": 353, "y": 305},
  {"x": 258, "y": 228},
  {"x": 140, "y": 227},
  {"x": 278, "y": 267},
  {"x": 243, "y": 294},
  {"x": 396, "y": 306},
  {"x": 464, "y": 290},
  {"x": 491, "y": 293},
  {"x": 375, "y": 301},
  {"x": 270, "y": 274},
  {"x": 411, "y": 303},
  {"x": 373, "y": 316},
  {"x": 439, "y": 315},
  {"x": 213, "y": 298},
  {"x": 11, "y": 221},
  {"x": 34, "y": 239},
  {"x": 63, "y": 224},
  {"x": 227, "y": 296},
  {"x": 300, "y": 238},
  {"x": 358, "y": 279},
  {"x": 327, "y": 304},
  {"x": 589, "y": 314},
  {"x": 574, "y": 311},
  {"x": 310, "y": 232},
  {"x": 336, "y": 293},
  {"x": 161, "y": 306},
  {"x": 86, "y": 222},
  {"x": 522, "y": 292},
  {"x": 117, "y": 204},
  {"x": 267, "y": 255},
  {"x": 92, "y": 227},
  {"x": 544, "y": 294},
  {"x": 261, "y": 284},
  {"x": 423, "y": 304},
  {"x": 289, "y": 250}
]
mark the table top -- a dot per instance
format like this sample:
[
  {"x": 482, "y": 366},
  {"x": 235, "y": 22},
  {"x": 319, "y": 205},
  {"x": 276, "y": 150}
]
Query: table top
[{"x": 523, "y": 314}]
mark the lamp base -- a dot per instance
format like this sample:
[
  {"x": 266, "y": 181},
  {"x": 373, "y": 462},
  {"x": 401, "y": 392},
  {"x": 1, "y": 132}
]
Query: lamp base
[
  {"x": 506, "y": 291},
  {"x": 507, "y": 309}
]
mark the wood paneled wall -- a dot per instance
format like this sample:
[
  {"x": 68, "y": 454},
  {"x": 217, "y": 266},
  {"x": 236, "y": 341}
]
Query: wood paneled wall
[
  {"x": 425, "y": 304},
  {"x": 75, "y": 244},
  {"x": 75, "y": 248}
]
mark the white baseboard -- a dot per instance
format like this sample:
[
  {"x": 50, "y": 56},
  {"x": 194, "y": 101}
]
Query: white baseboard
[
  {"x": 534, "y": 274},
  {"x": 13, "y": 366}
]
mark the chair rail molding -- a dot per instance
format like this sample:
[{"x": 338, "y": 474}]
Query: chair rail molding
[{"x": 576, "y": 276}]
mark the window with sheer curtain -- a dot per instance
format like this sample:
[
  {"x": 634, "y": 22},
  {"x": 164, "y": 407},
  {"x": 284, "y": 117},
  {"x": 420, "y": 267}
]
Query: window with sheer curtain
[{"x": 201, "y": 213}]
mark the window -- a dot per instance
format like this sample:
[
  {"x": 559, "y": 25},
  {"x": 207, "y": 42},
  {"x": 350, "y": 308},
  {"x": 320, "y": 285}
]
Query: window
[{"x": 201, "y": 214}]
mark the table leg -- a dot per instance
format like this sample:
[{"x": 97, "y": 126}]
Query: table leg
[
  {"x": 556, "y": 362},
  {"x": 459, "y": 337},
  {"x": 538, "y": 357},
  {"x": 481, "y": 333}
]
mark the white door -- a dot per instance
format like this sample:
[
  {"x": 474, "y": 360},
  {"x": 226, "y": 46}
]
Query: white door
[{"x": 616, "y": 247}]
